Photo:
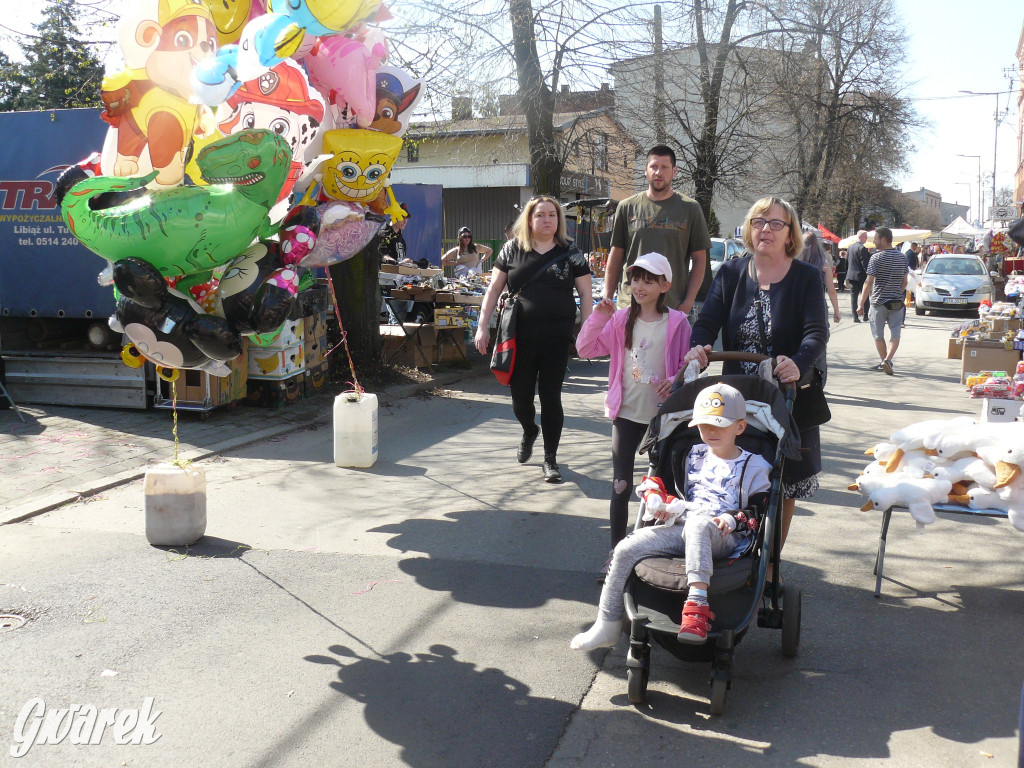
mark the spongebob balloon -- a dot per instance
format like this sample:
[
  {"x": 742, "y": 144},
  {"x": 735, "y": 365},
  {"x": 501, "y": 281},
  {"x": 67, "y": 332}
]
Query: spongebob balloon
[
  {"x": 325, "y": 17},
  {"x": 359, "y": 167}
]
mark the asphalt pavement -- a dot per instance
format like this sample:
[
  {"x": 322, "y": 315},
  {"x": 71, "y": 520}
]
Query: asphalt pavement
[{"x": 418, "y": 613}]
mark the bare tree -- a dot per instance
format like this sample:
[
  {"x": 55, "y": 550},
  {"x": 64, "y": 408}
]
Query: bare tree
[
  {"x": 840, "y": 85},
  {"x": 528, "y": 47}
]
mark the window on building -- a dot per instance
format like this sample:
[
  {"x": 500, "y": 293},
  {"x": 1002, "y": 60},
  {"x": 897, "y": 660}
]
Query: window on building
[
  {"x": 412, "y": 152},
  {"x": 601, "y": 152}
]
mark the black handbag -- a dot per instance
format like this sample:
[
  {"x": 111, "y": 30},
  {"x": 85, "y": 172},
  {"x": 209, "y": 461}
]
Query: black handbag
[
  {"x": 810, "y": 408},
  {"x": 503, "y": 357}
]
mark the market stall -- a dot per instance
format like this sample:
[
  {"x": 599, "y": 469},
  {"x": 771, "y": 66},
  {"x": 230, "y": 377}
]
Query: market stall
[{"x": 428, "y": 315}]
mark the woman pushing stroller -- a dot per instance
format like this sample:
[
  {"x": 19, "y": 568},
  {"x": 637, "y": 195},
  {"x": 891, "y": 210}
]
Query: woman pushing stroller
[{"x": 720, "y": 478}]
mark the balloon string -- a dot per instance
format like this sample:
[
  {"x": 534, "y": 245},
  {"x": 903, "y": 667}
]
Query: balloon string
[
  {"x": 174, "y": 410},
  {"x": 344, "y": 338},
  {"x": 178, "y": 462}
]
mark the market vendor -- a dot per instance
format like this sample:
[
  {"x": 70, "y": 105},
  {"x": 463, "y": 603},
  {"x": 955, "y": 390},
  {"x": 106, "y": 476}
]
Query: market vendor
[
  {"x": 391, "y": 245},
  {"x": 468, "y": 257}
]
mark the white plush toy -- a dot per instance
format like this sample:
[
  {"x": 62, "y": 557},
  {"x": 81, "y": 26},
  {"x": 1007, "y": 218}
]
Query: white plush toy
[
  {"x": 914, "y": 437},
  {"x": 916, "y": 495},
  {"x": 881, "y": 451},
  {"x": 973, "y": 469},
  {"x": 964, "y": 439},
  {"x": 915, "y": 463},
  {"x": 1009, "y": 460}
]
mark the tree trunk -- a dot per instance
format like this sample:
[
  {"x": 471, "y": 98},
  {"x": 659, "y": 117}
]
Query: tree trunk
[
  {"x": 357, "y": 292},
  {"x": 537, "y": 100}
]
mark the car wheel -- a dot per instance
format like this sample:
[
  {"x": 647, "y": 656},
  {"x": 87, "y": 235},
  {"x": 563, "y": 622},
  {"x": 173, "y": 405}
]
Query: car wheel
[{"x": 918, "y": 310}]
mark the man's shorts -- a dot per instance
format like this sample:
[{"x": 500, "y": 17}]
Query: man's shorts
[{"x": 879, "y": 317}]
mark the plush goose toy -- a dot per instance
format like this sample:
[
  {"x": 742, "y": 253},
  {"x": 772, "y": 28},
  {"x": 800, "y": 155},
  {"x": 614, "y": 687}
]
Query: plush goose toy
[{"x": 916, "y": 495}]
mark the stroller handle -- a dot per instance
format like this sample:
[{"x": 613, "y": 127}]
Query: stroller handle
[{"x": 753, "y": 357}]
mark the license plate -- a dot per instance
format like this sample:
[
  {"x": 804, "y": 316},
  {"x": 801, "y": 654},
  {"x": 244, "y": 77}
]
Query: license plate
[{"x": 950, "y": 300}]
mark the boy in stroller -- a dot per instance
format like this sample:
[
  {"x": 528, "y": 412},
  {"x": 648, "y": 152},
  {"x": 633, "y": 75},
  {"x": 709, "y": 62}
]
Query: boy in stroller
[{"x": 720, "y": 478}]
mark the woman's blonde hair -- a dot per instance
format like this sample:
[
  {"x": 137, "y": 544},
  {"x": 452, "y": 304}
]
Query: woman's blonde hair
[
  {"x": 521, "y": 229},
  {"x": 759, "y": 209}
]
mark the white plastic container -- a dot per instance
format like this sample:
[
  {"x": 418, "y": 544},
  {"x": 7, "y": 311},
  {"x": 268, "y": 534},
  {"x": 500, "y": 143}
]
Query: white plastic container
[
  {"x": 355, "y": 429},
  {"x": 175, "y": 505}
]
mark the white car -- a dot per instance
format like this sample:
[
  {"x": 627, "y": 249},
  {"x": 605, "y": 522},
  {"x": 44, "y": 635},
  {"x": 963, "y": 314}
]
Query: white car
[
  {"x": 722, "y": 250},
  {"x": 952, "y": 282}
]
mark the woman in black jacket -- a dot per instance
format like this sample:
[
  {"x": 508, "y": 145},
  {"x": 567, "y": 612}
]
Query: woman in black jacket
[{"x": 770, "y": 303}]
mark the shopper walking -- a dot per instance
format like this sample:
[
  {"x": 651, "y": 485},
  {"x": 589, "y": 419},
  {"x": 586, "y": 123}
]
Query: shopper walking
[
  {"x": 647, "y": 343},
  {"x": 543, "y": 266},
  {"x": 659, "y": 220},
  {"x": 770, "y": 303},
  {"x": 886, "y": 284},
  {"x": 857, "y": 257}
]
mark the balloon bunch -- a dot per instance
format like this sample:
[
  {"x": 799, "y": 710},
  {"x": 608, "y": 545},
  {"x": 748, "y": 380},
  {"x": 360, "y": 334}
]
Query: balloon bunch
[{"x": 225, "y": 113}]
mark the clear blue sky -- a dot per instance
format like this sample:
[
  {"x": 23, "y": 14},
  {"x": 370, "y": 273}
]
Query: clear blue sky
[{"x": 953, "y": 45}]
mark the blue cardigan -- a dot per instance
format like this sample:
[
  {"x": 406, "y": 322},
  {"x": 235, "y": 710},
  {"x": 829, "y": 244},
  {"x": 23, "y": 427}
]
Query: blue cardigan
[{"x": 799, "y": 319}]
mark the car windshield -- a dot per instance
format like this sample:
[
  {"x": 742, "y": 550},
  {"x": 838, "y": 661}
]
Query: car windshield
[
  {"x": 955, "y": 267},
  {"x": 717, "y": 251}
]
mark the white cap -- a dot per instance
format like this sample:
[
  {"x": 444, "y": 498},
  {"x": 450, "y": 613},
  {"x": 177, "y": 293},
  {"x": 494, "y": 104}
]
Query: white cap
[
  {"x": 654, "y": 263},
  {"x": 718, "y": 405}
]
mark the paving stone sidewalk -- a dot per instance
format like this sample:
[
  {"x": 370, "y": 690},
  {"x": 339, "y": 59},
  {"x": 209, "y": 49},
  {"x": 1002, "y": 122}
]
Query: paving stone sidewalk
[{"x": 60, "y": 454}]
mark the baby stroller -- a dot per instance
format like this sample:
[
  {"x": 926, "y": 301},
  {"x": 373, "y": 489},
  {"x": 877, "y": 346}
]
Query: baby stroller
[{"x": 657, "y": 588}]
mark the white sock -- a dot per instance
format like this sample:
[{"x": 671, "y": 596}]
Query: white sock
[
  {"x": 699, "y": 596},
  {"x": 604, "y": 634}
]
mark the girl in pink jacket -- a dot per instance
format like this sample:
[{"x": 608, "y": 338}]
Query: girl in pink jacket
[{"x": 647, "y": 343}]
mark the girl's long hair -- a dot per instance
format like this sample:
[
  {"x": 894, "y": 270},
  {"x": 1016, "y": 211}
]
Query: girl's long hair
[{"x": 634, "y": 307}]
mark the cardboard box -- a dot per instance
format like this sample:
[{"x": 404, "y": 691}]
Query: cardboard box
[
  {"x": 311, "y": 301},
  {"x": 451, "y": 347},
  {"x": 417, "y": 350},
  {"x": 314, "y": 343},
  {"x": 316, "y": 379},
  {"x": 291, "y": 334},
  {"x": 450, "y": 317},
  {"x": 956, "y": 349},
  {"x": 986, "y": 356},
  {"x": 200, "y": 388},
  {"x": 401, "y": 269},
  {"x": 465, "y": 298},
  {"x": 997, "y": 409},
  {"x": 1001, "y": 325},
  {"x": 268, "y": 363},
  {"x": 275, "y": 393}
]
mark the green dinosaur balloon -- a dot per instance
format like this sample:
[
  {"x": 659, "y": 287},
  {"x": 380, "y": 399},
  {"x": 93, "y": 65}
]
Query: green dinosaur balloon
[{"x": 185, "y": 230}]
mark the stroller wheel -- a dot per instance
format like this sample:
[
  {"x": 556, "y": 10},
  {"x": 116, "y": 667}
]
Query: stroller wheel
[
  {"x": 791, "y": 621},
  {"x": 719, "y": 687},
  {"x": 636, "y": 681}
]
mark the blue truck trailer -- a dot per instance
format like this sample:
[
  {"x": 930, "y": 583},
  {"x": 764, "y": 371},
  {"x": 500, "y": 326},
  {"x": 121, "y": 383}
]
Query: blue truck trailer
[{"x": 55, "y": 343}]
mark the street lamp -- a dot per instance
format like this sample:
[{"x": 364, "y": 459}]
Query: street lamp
[
  {"x": 980, "y": 214},
  {"x": 995, "y": 142}
]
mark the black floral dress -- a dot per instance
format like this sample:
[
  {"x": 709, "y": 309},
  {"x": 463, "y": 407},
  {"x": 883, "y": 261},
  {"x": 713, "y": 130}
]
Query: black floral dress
[{"x": 749, "y": 338}]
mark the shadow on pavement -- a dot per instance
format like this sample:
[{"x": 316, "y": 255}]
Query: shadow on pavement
[{"x": 444, "y": 712}]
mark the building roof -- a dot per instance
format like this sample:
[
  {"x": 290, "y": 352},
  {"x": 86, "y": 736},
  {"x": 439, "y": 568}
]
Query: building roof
[{"x": 480, "y": 126}]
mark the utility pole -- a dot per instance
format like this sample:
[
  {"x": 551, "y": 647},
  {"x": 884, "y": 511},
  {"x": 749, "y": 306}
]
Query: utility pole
[{"x": 659, "y": 80}]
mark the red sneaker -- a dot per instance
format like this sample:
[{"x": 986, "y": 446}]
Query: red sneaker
[{"x": 696, "y": 623}]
